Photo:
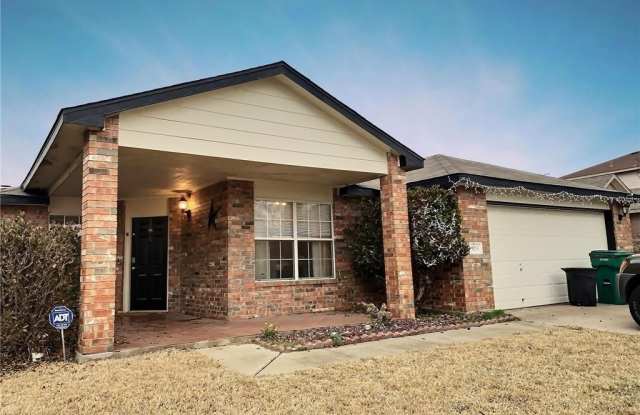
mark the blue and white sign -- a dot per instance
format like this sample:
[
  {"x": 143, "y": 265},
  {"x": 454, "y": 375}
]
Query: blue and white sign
[{"x": 60, "y": 317}]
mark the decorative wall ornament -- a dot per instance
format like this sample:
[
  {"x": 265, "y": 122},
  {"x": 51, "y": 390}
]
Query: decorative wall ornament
[
  {"x": 213, "y": 214},
  {"x": 562, "y": 196}
]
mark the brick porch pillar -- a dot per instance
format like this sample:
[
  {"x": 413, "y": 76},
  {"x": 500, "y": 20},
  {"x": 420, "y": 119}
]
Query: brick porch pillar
[
  {"x": 622, "y": 229},
  {"x": 395, "y": 235},
  {"x": 241, "y": 249},
  {"x": 98, "y": 258}
]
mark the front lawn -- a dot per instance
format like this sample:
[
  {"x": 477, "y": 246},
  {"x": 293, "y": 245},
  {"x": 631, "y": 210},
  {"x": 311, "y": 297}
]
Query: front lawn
[{"x": 557, "y": 371}]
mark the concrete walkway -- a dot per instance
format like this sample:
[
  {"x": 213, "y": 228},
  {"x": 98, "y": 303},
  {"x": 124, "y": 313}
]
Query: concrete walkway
[
  {"x": 606, "y": 317},
  {"x": 254, "y": 360}
]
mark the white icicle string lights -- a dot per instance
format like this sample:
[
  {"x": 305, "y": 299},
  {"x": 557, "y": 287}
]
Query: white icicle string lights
[{"x": 562, "y": 196}]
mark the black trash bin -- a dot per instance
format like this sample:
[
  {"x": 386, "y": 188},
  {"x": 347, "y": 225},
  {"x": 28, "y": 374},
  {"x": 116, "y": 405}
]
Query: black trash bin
[{"x": 581, "y": 285}]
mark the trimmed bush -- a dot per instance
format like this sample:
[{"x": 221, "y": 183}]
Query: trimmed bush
[
  {"x": 435, "y": 233},
  {"x": 39, "y": 268}
]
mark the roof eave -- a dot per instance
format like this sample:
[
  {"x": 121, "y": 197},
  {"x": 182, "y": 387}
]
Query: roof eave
[{"x": 92, "y": 115}]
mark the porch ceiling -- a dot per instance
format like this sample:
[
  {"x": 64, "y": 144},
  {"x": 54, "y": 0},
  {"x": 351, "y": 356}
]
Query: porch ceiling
[{"x": 147, "y": 173}]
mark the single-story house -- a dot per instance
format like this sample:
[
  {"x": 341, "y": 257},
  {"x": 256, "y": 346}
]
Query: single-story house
[
  {"x": 228, "y": 198},
  {"x": 218, "y": 198},
  {"x": 621, "y": 173},
  {"x": 522, "y": 228}
]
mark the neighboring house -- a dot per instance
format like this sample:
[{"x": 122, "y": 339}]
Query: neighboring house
[
  {"x": 218, "y": 198},
  {"x": 522, "y": 229},
  {"x": 621, "y": 173}
]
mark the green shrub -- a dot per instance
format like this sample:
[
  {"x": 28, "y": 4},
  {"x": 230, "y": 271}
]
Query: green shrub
[
  {"x": 435, "y": 232},
  {"x": 39, "y": 269},
  {"x": 336, "y": 339},
  {"x": 491, "y": 314},
  {"x": 269, "y": 332},
  {"x": 364, "y": 241}
]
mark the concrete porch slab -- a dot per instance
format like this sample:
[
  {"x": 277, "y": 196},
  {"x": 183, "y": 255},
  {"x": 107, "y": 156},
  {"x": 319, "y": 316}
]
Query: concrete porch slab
[
  {"x": 606, "y": 317},
  {"x": 154, "y": 331}
]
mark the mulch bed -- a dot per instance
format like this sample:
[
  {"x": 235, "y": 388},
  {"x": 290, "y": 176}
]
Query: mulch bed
[{"x": 322, "y": 337}]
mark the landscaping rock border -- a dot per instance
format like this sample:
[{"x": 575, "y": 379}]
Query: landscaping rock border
[{"x": 284, "y": 346}]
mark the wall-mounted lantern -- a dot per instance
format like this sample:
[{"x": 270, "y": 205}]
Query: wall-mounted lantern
[
  {"x": 624, "y": 211},
  {"x": 183, "y": 205}
]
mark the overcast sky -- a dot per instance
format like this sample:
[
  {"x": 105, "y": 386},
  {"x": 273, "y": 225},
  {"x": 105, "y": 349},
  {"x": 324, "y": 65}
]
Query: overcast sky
[{"x": 545, "y": 86}]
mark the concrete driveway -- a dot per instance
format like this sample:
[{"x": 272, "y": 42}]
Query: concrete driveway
[{"x": 607, "y": 317}]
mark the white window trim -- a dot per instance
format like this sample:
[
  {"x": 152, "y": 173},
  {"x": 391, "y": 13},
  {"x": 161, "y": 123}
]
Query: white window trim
[{"x": 295, "y": 240}]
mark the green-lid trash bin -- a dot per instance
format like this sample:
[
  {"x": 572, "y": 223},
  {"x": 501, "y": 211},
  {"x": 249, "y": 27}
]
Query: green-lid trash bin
[{"x": 607, "y": 265}]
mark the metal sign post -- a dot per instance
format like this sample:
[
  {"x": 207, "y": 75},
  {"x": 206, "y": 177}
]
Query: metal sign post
[{"x": 60, "y": 318}]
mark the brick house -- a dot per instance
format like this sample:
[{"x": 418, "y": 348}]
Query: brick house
[
  {"x": 523, "y": 228},
  {"x": 228, "y": 198},
  {"x": 218, "y": 198}
]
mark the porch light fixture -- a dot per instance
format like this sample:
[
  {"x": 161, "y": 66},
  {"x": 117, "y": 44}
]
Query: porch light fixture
[
  {"x": 624, "y": 211},
  {"x": 183, "y": 205}
]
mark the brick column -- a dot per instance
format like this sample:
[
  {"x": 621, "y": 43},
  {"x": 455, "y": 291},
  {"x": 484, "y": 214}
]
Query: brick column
[
  {"x": 241, "y": 250},
  {"x": 175, "y": 255},
  {"x": 475, "y": 272},
  {"x": 98, "y": 258},
  {"x": 622, "y": 229},
  {"x": 395, "y": 235}
]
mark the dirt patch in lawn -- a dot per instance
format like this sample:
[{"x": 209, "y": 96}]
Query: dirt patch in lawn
[{"x": 559, "y": 371}]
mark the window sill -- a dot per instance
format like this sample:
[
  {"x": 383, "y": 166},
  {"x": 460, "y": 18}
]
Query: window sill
[{"x": 309, "y": 281}]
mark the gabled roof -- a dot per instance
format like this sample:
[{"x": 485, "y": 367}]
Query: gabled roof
[
  {"x": 92, "y": 115},
  {"x": 627, "y": 162},
  {"x": 445, "y": 170},
  {"x": 606, "y": 181}
]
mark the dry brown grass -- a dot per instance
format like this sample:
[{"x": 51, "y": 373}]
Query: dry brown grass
[{"x": 560, "y": 371}]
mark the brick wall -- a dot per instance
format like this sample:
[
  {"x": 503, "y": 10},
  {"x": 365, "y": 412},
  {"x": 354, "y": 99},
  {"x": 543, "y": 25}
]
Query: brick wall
[
  {"x": 395, "y": 235},
  {"x": 175, "y": 254},
  {"x": 98, "y": 262},
  {"x": 622, "y": 229},
  {"x": 213, "y": 269},
  {"x": 203, "y": 255},
  {"x": 34, "y": 213},
  {"x": 238, "y": 219},
  {"x": 466, "y": 286}
]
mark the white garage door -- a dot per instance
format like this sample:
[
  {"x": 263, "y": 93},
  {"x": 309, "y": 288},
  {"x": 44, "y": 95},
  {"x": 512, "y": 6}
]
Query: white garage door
[{"x": 529, "y": 246}]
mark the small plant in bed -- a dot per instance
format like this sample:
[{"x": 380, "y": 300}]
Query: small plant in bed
[{"x": 269, "y": 332}]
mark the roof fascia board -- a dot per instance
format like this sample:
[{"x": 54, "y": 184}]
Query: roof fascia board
[
  {"x": 43, "y": 150},
  {"x": 601, "y": 174}
]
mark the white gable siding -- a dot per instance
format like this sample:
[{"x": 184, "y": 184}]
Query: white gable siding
[{"x": 266, "y": 121}]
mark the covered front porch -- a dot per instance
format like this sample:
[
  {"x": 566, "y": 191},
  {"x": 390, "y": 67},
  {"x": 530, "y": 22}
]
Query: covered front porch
[
  {"x": 151, "y": 331},
  {"x": 220, "y": 199},
  {"x": 203, "y": 248}
]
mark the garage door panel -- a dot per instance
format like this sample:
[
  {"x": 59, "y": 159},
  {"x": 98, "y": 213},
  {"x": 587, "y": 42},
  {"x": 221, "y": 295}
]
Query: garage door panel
[
  {"x": 530, "y": 246},
  {"x": 522, "y": 247}
]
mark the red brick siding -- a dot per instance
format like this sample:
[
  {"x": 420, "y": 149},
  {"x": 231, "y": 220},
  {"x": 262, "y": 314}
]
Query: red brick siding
[
  {"x": 174, "y": 295},
  {"x": 395, "y": 234},
  {"x": 34, "y": 213},
  {"x": 214, "y": 268},
  {"x": 622, "y": 229},
  {"x": 635, "y": 231},
  {"x": 203, "y": 257},
  {"x": 99, "y": 240},
  {"x": 238, "y": 221}
]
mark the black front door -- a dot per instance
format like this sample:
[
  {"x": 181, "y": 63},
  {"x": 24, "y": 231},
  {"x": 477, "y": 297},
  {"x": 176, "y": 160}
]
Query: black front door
[{"x": 149, "y": 263}]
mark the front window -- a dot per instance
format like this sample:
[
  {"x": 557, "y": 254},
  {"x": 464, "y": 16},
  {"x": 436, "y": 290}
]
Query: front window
[
  {"x": 72, "y": 221},
  {"x": 294, "y": 240}
]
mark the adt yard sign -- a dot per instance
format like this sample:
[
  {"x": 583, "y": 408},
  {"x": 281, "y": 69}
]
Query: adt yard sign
[{"x": 60, "y": 317}]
